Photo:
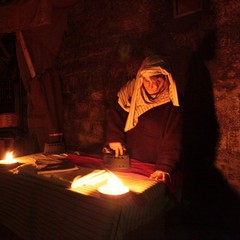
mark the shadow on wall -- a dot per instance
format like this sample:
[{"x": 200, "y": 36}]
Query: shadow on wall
[{"x": 208, "y": 199}]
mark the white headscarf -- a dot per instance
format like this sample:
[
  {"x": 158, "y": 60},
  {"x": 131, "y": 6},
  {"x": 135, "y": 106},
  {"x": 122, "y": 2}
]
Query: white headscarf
[{"x": 133, "y": 100}]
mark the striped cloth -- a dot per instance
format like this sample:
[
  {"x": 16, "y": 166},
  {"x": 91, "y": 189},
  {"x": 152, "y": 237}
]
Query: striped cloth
[
  {"x": 37, "y": 208},
  {"x": 131, "y": 97}
]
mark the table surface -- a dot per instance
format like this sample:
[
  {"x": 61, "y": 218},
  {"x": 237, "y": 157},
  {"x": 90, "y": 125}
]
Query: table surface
[{"x": 46, "y": 207}]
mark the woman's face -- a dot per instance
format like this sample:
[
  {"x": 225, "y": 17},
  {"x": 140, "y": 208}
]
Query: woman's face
[{"x": 156, "y": 84}]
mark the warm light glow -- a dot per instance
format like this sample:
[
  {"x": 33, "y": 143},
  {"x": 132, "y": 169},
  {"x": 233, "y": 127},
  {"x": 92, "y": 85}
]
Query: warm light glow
[
  {"x": 9, "y": 159},
  {"x": 114, "y": 186},
  {"x": 91, "y": 179}
]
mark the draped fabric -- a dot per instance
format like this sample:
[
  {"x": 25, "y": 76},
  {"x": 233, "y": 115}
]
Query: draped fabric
[
  {"x": 42, "y": 206},
  {"x": 42, "y": 24},
  {"x": 45, "y": 113},
  {"x": 24, "y": 14}
]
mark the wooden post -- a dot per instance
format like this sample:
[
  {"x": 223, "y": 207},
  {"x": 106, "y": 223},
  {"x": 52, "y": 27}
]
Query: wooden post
[{"x": 26, "y": 53}]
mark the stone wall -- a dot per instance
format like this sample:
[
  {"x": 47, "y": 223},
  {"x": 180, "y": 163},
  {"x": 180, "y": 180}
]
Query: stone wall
[
  {"x": 107, "y": 40},
  {"x": 225, "y": 70}
]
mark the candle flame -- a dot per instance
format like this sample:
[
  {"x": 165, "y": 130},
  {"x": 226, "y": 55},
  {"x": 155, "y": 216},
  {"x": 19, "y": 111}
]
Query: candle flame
[
  {"x": 8, "y": 159},
  {"x": 114, "y": 181},
  {"x": 114, "y": 186}
]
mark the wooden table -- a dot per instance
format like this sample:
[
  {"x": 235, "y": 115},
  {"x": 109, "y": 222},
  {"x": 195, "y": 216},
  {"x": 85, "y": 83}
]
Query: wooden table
[{"x": 36, "y": 207}]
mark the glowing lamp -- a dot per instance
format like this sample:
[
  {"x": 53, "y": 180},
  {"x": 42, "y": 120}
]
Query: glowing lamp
[
  {"x": 113, "y": 187},
  {"x": 9, "y": 159}
]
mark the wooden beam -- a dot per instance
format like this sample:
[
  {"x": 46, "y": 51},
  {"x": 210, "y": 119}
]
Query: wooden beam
[{"x": 26, "y": 54}]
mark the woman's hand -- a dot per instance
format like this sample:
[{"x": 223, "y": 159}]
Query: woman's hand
[
  {"x": 160, "y": 176},
  {"x": 117, "y": 147}
]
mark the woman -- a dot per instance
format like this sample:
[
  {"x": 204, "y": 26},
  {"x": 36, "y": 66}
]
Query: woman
[{"x": 147, "y": 118}]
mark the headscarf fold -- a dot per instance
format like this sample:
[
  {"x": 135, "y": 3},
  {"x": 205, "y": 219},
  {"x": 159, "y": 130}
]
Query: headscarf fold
[{"x": 133, "y": 100}]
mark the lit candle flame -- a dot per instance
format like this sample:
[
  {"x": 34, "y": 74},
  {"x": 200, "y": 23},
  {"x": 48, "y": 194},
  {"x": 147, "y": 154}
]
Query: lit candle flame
[
  {"x": 8, "y": 159},
  {"x": 114, "y": 186}
]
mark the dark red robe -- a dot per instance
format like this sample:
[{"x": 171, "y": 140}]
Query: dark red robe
[{"x": 155, "y": 139}]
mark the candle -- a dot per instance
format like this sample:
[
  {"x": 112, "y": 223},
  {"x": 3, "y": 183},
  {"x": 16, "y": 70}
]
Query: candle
[
  {"x": 9, "y": 159},
  {"x": 113, "y": 187}
]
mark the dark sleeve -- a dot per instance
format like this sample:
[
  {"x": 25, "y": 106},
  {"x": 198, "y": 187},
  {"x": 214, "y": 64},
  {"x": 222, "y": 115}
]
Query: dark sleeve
[
  {"x": 169, "y": 150},
  {"x": 116, "y": 119}
]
